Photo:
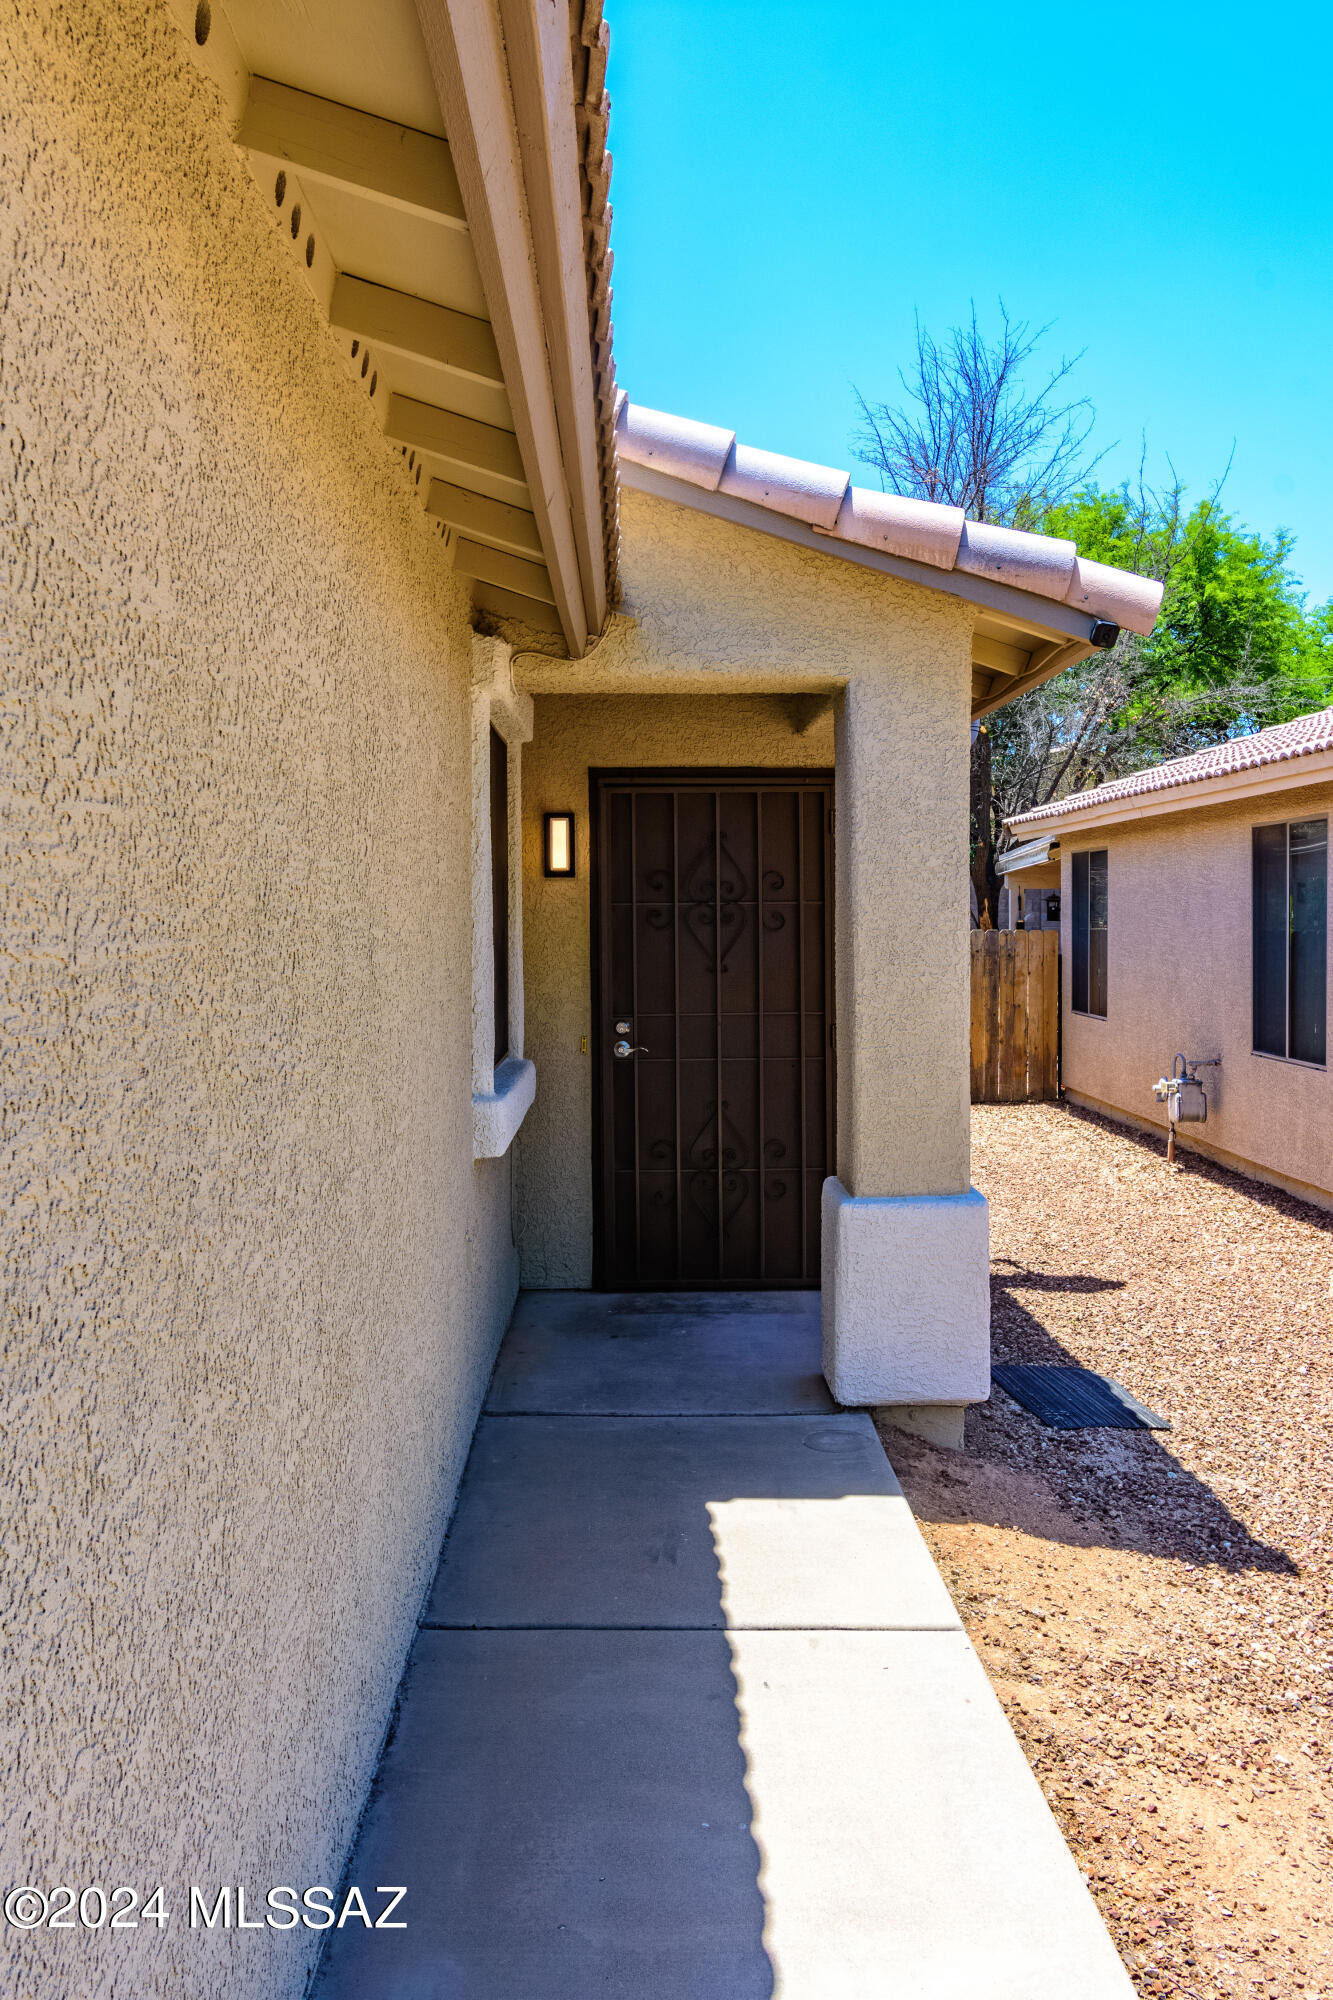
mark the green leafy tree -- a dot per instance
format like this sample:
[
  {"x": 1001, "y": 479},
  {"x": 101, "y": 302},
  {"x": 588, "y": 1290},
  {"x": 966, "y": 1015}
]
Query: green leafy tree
[{"x": 1235, "y": 649}]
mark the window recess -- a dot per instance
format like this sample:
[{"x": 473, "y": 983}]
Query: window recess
[
  {"x": 1289, "y": 902},
  {"x": 1088, "y": 985}
]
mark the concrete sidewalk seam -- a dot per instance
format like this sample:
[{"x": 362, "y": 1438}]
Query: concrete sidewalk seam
[{"x": 435, "y": 1626}]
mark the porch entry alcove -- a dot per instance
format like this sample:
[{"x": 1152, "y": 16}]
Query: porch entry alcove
[{"x": 712, "y": 980}]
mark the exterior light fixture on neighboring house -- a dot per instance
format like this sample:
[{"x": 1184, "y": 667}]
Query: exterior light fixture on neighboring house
[{"x": 558, "y": 843}]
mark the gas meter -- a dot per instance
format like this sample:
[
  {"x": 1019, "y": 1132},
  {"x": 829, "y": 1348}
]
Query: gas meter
[{"x": 1183, "y": 1093}]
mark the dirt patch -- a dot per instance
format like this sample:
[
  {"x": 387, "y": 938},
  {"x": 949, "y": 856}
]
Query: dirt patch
[{"x": 1155, "y": 1609}]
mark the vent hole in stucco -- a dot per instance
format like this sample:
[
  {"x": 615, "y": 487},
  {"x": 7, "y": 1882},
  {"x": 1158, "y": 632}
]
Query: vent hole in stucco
[
  {"x": 203, "y": 22},
  {"x": 309, "y": 251},
  {"x": 418, "y": 475},
  {"x": 365, "y": 363},
  {"x": 296, "y": 222},
  {"x": 373, "y": 380},
  {"x": 411, "y": 460},
  {"x": 356, "y": 349},
  {"x": 280, "y": 189}
]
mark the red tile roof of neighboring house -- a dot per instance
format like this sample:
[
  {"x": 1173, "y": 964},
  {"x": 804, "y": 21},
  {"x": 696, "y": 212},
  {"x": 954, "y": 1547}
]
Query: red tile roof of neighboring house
[
  {"x": 1302, "y": 737},
  {"x": 920, "y": 530}
]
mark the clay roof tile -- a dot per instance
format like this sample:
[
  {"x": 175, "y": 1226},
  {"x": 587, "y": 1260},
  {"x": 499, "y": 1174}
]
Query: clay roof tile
[{"x": 1301, "y": 737}]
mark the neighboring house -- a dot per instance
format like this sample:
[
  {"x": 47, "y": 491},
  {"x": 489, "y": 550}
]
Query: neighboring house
[
  {"x": 1195, "y": 923},
  {"x": 339, "y": 578},
  {"x": 1030, "y": 886}
]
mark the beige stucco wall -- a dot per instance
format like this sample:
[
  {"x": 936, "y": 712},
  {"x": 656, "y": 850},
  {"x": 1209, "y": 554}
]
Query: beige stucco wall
[
  {"x": 253, "y": 1281},
  {"x": 1178, "y": 979},
  {"x": 713, "y": 612}
]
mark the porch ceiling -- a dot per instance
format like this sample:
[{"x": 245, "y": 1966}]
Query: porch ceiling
[
  {"x": 438, "y": 168},
  {"x": 1009, "y": 656}
]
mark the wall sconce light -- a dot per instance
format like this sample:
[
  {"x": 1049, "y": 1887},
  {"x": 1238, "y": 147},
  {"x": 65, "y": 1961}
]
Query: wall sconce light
[{"x": 558, "y": 843}]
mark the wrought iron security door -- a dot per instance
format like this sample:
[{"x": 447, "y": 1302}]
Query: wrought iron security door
[{"x": 713, "y": 970}]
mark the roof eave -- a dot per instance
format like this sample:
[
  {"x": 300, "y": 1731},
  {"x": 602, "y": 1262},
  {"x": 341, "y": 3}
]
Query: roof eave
[
  {"x": 1059, "y": 634},
  {"x": 1030, "y": 854},
  {"x": 1290, "y": 774},
  {"x": 503, "y": 72}
]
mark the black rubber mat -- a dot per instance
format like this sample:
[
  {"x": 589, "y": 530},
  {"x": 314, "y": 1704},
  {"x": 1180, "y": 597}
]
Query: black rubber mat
[{"x": 1075, "y": 1399}]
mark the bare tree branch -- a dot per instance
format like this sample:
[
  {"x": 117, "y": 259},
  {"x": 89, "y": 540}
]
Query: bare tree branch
[{"x": 972, "y": 436}]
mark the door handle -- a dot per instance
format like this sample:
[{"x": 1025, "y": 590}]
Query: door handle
[{"x": 623, "y": 1051}]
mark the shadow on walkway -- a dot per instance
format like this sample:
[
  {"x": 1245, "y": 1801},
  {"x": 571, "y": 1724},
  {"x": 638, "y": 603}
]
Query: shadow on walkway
[
  {"x": 691, "y": 1714},
  {"x": 1118, "y": 1489}
]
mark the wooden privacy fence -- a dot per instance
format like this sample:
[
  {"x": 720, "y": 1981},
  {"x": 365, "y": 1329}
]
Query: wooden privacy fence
[{"x": 1015, "y": 1016}]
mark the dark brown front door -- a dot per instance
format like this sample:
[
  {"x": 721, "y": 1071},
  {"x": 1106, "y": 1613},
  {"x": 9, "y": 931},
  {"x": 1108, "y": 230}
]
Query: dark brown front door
[{"x": 713, "y": 971}]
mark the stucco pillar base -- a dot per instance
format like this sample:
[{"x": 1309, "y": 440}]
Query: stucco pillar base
[
  {"x": 940, "y": 1424},
  {"x": 906, "y": 1297}
]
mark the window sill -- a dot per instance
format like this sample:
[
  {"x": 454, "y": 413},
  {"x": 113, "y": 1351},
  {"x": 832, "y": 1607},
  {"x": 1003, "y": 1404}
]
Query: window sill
[
  {"x": 497, "y": 1115},
  {"x": 1292, "y": 1062}
]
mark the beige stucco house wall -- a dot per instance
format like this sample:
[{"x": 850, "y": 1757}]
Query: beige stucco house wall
[
  {"x": 253, "y": 1279},
  {"x": 260, "y": 1181},
  {"x": 572, "y": 735},
  {"x": 878, "y": 674},
  {"x": 1179, "y": 980}
]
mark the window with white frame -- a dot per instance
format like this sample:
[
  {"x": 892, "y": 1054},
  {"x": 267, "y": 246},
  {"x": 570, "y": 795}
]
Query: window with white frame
[
  {"x": 499, "y": 803},
  {"x": 1289, "y": 905},
  {"x": 503, "y": 1080}
]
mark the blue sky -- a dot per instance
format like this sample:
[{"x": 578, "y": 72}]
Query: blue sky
[{"x": 790, "y": 182}]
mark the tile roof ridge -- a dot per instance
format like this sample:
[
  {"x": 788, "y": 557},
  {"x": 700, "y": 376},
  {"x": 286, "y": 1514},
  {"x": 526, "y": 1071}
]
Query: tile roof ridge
[
  {"x": 925, "y": 531},
  {"x": 1300, "y": 736}
]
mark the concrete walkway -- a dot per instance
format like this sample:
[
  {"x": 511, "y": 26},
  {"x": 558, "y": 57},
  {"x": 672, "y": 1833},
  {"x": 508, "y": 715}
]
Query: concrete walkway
[{"x": 691, "y": 1715}]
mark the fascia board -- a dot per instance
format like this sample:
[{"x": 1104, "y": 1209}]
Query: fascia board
[
  {"x": 537, "y": 47},
  {"x": 465, "y": 45},
  {"x": 1033, "y": 854}
]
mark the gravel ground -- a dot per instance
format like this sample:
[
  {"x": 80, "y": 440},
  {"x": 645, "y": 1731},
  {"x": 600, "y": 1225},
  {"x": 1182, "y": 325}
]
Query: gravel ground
[{"x": 1154, "y": 1609}]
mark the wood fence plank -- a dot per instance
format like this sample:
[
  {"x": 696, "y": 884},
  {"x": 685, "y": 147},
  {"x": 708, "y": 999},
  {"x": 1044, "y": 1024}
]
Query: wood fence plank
[
  {"x": 1018, "y": 1041},
  {"x": 1034, "y": 1024},
  {"x": 1014, "y": 1016},
  {"x": 991, "y": 961},
  {"x": 1050, "y": 1014},
  {"x": 1008, "y": 971}
]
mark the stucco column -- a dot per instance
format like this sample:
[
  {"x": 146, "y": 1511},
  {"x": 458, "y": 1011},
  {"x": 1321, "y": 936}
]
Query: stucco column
[{"x": 905, "y": 1258}]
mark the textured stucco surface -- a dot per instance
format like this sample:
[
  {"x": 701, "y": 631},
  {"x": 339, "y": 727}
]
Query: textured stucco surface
[
  {"x": 716, "y": 613},
  {"x": 253, "y": 1280},
  {"x": 906, "y": 1304},
  {"x": 714, "y": 605},
  {"x": 901, "y": 924},
  {"x": 709, "y": 605},
  {"x": 1178, "y": 979}
]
